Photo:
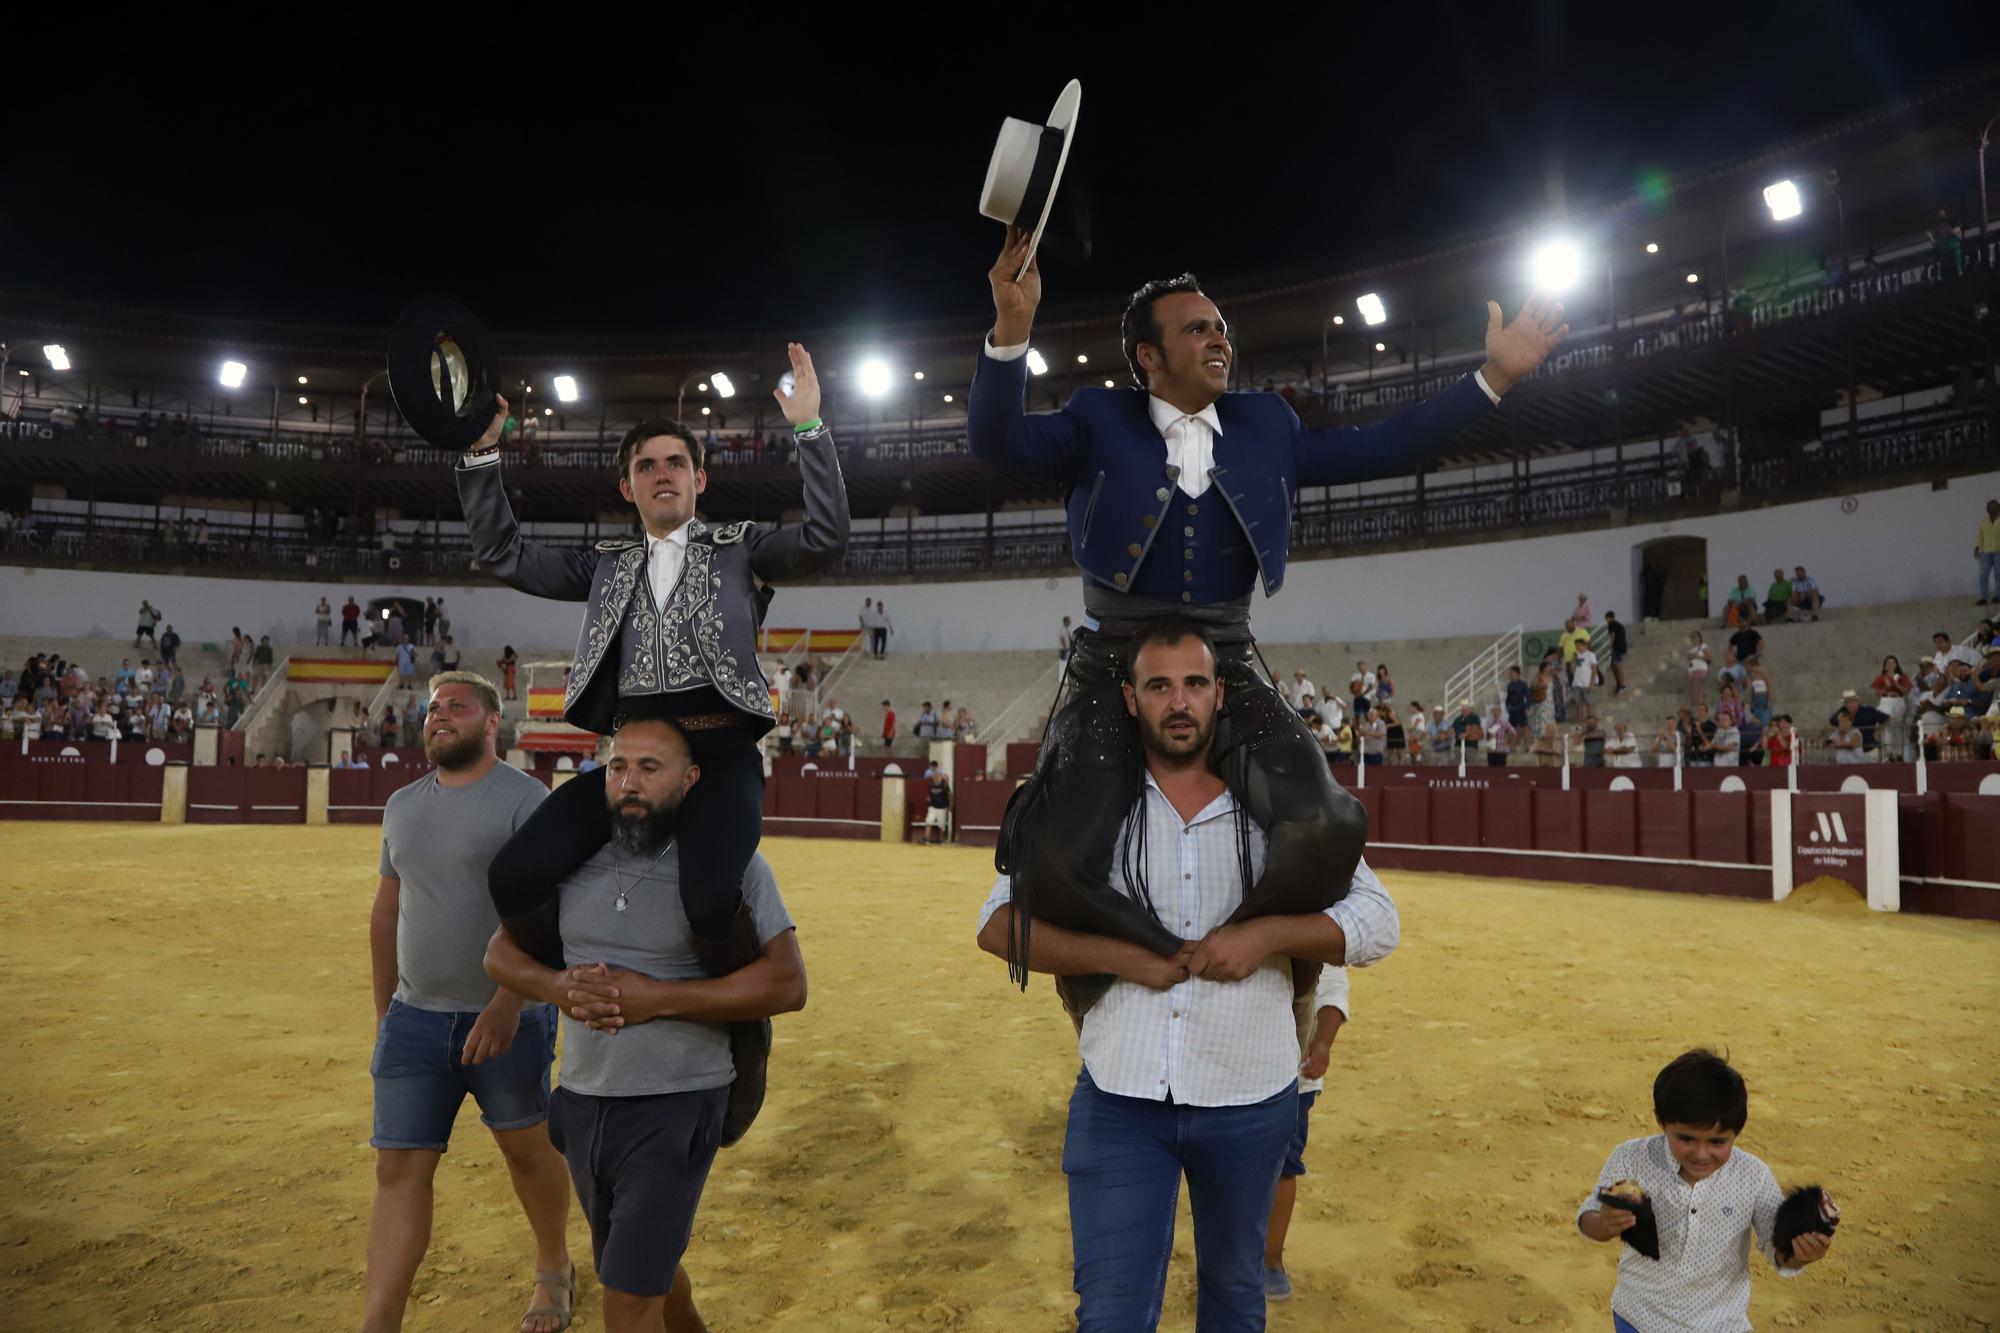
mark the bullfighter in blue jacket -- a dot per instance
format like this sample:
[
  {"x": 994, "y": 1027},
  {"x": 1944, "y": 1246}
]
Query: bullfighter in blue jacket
[{"x": 1180, "y": 497}]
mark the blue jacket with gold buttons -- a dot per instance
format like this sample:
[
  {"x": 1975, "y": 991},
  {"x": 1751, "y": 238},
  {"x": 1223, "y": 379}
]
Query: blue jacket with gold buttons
[{"x": 1104, "y": 448}]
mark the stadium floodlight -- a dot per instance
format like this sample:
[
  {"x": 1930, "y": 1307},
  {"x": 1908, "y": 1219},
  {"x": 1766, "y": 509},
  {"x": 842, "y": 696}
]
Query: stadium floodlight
[
  {"x": 303, "y": 400},
  {"x": 1557, "y": 266},
  {"x": 1783, "y": 200},
  {"x": 704, "y": 409},
  {"x": 1381, "y": 347},
  {"x": 947, "y": 398},
  {"x": 918, "y": 375},
  {"x": 1372, "y": 310},
  {"x": 548, "y": 411},
  {"x": 1110, "y": 384},
  {"x": 701, "y": 387},
  {"x": 57, "y": 354},
  {"x": 1693, "y": 278},
  {"x": 565, "y": 388},
  {"x": 1083, "y": 358},
  {"x": 1339, "y": 320},
  {"x": 1036, "y": 366},
  {"x": 724, "y": 386},
  {"x": 232, "y": 373},
  {"x": 1652, "y": 247},
  {"x": 302, "y": 379},
  {"x": 875, "y": 378}
]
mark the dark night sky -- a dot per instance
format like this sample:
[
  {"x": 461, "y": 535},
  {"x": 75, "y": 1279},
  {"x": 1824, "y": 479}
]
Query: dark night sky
[{"x": 651, "y": 178}]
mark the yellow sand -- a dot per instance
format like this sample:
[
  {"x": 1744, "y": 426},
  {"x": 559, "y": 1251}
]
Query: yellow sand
[{"x": 187, "y": 1104}]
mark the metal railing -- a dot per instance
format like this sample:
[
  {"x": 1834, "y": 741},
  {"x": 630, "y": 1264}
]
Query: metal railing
[
  {"x": 1484, "y": 679},
  {"x": 1041, "y": 692}
]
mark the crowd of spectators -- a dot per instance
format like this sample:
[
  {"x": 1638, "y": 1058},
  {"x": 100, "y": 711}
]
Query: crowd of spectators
[{"x": 58, "y": 700}]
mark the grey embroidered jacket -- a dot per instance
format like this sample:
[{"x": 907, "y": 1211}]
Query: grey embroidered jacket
[{"x": 708, "y": 633}]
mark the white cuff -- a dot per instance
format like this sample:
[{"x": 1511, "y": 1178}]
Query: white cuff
[
  {"x": 480, "y": 460},
  {"x": 1485, "y": 388},
  {"x": 1019, "y": 350}
]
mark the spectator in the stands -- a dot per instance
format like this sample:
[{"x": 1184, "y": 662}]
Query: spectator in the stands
[
  {"x": 1729, "y": 704},
  {"x": 1307, "y": 707},
  {"x": 430, "y": 620},
  {"x": 1699, "y": 659},
  {"x": 1867, "y": 718},
  {"x": 1417, "y": 734},
  {"x": 1806, "y": 600},
  {"x": 323, "y": 623},
  {"x": 406, "y": 662},
  {"x": 350, "y": 621},
  {"x": 1742, "y": 603},
  {"x": 394, "y": 631},
  {"x": 1361, "y": 688},
  {"x": 1701, "y": 737},
  {"x": 239, "y": 648},
  {"x": 159, "y": 716},
  {"x": 1748, "y": 643},
  {"x": 927, "y": 722},
  {"x": 1616, "y": 645},
  {"x": 390, "y": 731},
  {"x": 1725, "y": 743},
  {"x": 1777, "y": 597},
  {"x": 1949, "y": 652},
  {"x": 829, "y": 735},
  {"x": 1759, "y": 682},
  {"x": 142, "y": 680},
  {"x": 1986, "y": 550},
  {"x": 1583, "y": 678},
  {"x": 346, "y": 760},
  {"x": 888, "y": 724},
  {"x": 1960, "y": 742},
  {"x": 1582, "y": 612},
  {"x": 262, "y": 659},
  {"x": 1498, "y": 734},
  {"x": 1590, "y": 736},
  {"x": 1568, "y": 640},
  {"x": 1063, "y": 637},
  {"x": 1549, "y": 748},
  {"x": 1541, "y": 697},
  {"x": 1621, "y": 747},
  {"x": 176, "y": 688},
  {"x": 103, "y": 726},
  {"x": 170, "y": 647},
  {"x": 121, "y": 680},
  {"x": 207, "y": 710},
  {"x": 1517, "y": 699},
  {"x": 1322, "y": 734},
  {"x": 149, "y": 616},
  {"x": 413, "y": 722},
  {"x": 1440, "y": 736},
  {"x": 1843, "y": 739},
  {"x": 180, "y": 726},
  {"x": 437, "y": 658},
  {"x": 1468, "y": 731},
  {"x": 1372, "y": 734},
  {"x": 1302, "y": 687}
]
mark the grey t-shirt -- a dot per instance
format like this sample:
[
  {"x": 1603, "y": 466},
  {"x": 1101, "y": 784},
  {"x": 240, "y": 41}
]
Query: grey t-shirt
[
  {"x": 649, "y": 937},
  {"x": 439, "y": 841}
]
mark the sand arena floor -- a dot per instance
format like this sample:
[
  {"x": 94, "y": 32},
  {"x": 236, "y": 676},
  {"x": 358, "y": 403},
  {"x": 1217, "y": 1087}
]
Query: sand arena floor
[{"x": 187, "y": 1104}]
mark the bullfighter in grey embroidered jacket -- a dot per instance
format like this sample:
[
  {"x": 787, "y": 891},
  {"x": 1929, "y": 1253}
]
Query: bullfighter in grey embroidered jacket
[{"x": 670, "y": 631}]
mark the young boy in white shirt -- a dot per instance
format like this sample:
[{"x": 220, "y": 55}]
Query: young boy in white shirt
[{"x": 1709, "y": 1202}]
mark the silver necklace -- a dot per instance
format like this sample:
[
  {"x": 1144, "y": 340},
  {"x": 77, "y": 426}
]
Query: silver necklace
[{"x": 623, "y": 890}]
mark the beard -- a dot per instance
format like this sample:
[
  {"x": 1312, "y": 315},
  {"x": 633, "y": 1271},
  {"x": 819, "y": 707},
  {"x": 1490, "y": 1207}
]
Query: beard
[
  {"x": 462, "y": 751},
  {"x": 1160, "y": 741},
  {"x": 642, "y": 828}
]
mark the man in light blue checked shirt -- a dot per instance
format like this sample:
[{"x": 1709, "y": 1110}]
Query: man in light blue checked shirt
[{"x": 1190, "y": 1062}]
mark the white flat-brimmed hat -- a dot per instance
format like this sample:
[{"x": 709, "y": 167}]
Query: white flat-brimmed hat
[{"x": 1027, "y": 166}]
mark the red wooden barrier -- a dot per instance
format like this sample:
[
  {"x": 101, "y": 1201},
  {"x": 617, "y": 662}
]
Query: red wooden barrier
[
  {"x": 980, "y": 802},
  {"x": 32, "y": 789},
  {"x": 1021, "y": 757}
]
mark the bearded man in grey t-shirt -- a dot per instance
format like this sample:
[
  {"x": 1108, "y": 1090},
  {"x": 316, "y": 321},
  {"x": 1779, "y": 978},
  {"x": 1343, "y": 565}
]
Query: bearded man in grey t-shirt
[
  {"x": 442, "y": 1029},
  {"x": 646, "y": 1066}
]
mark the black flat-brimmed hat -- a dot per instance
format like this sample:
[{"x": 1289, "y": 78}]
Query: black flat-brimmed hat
[
  {"x": 443, "y": 372},
  {"x": 1027, "y": 166}
]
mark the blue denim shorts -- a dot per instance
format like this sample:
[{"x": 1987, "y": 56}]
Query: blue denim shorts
[
  {"x": 1295, "y": 1153},
  {"x": 420, "y": 1080}
]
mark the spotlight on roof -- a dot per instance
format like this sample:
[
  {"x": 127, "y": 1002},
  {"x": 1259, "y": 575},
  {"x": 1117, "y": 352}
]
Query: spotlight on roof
[
  {"x": 1338, "y": 320},
  {"x": 57, "y": 354},
  {"x": 302, "y": 379},
  {"x": 1372, "y": 310},
  {"x": 704, "y": 409},
  {"x": 1783, "y": 200},
  {"x": 548, "y": 411},
  {"x": 947, "y": 398},
  {"x": 1110, "y": 384},
  {"x": 701, "y": 387},
  {"x": 1036, "y": 365},
  {"x": 724, "y": 386},
  {"x": 1083, "y": 358},
  {"x": 1381, "y": 347},
  {"x": 303, "y": 400},
  {"x": 1557, "y": 266},
  {"x": 919, "y": 375},
  {"x": 232, "y": 373},
  {"x": 1652, "y": 247},
  {"x": 874, "y": 378},
  {"x": 565, "y": 388},
  {"x": 1694, "y": 278}
]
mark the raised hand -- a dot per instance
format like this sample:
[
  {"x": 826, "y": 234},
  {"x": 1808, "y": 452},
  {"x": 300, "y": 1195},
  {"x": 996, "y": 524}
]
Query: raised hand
[
  {"x": 493, "y": 428},
  {"x": 1513, "y": 351},
  {"x": 1015, "y": 294},
  {"x": 803, "y": 405}
]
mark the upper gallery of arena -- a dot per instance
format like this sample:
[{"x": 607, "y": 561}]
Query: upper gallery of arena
[{"x": 1807, "y": 322}]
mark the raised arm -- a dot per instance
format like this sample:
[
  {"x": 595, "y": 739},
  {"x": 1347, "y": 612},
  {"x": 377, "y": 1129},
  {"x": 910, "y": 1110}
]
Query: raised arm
[
  {"x": 801, "y": 549},
  {"x": 544, "y": 571},
  {"x": 998, "y": 431},
  {"x": 1403, "y": 443}
]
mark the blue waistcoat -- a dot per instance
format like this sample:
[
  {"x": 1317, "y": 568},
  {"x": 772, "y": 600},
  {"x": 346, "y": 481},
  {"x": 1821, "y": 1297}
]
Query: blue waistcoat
[
  {"x": 1122, "y": 495},
  {"x": 1201, "y": 556}
]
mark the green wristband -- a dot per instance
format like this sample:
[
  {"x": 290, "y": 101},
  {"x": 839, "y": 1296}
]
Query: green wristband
[{"x": 804, "y": 426}]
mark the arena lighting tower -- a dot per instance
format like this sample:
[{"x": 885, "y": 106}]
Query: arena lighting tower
[
  {"x": 232, "y": 373},
  {"x": 1556, "y": 266},
  {"x": 724, "y": 388}
]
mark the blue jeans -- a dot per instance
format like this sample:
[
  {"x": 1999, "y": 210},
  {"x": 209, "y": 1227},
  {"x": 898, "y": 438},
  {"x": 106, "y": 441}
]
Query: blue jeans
[
  {"x": 1989, "y": 573},
  {"x": 1124, "y": 1157},
  {"x": 1619, "y": 1325},
  {"x": 421, "y": 1078}
]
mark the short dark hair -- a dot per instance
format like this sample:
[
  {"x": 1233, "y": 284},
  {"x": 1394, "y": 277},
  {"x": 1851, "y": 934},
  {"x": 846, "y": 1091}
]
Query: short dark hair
[
  {"x": 628, "y": 444},
  {"x": 1141, "y": 325},
  {"x": 1169, "y": 631},
  {"x": 1700, "y": 1089}
]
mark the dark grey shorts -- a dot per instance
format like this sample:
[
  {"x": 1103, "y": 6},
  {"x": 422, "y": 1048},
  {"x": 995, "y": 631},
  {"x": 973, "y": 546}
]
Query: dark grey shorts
[{"x": 638, "y": 1164}]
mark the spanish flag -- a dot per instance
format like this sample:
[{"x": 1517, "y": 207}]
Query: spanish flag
[{"x": 338, "y": 671}]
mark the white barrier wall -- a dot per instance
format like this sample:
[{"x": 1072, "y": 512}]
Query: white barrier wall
[{"x": 1890, "y": 546}]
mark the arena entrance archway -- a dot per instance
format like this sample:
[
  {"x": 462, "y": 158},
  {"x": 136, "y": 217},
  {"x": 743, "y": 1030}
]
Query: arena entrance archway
[{"x": 1667, "y": 576}]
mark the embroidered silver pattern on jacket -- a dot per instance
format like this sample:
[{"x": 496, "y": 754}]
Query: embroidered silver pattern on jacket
[{"x": 601, "y": 630}]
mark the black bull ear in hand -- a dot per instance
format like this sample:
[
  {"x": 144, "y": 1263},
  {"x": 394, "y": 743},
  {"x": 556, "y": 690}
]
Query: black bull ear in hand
[
  {"x": 1644, "y": 1234},
  {"x": 1807, "y": 1209}
]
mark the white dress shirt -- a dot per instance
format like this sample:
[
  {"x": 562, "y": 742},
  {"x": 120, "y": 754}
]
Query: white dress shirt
[
  {"x": 1207, "y": 1043},
  {"x": 1701, "y": 1281},
  {"x": 665, "y": 557}
]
